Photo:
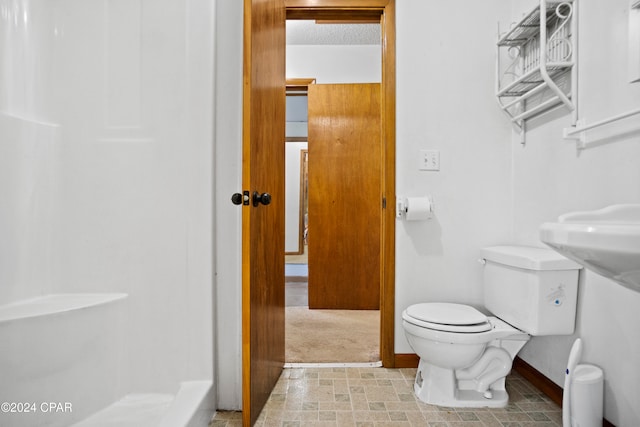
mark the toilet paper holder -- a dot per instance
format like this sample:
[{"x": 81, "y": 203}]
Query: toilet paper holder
[{"x": 403, "y": 206}]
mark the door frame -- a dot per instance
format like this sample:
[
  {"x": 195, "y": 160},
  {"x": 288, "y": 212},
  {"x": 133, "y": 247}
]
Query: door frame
[{"x": 382, "y": 11}]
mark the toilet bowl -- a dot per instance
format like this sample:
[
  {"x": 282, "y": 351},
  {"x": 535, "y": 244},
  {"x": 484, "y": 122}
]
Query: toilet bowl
[{"x": 466, "y": 355}]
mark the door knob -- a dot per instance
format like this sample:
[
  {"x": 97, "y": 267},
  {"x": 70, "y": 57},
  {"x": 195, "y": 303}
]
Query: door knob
[
  {"x": 240, "y": 199},
  {"x": 264, "y": 198}
]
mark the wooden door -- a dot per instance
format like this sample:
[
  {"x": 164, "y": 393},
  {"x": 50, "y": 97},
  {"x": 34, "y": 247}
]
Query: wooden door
[
  {"x": 263, "y": 224},
  {"x": 345, "y": 196}
]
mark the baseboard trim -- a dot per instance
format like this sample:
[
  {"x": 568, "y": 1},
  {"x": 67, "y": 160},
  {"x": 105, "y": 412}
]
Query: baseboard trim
[
  {"x": 531, "y": 374},
  {"x": 406, "y": 360},
  {"x": 296, "y": 279},
  {"x": 334, "y": 365},
  {"x": 538, "y": 380}
]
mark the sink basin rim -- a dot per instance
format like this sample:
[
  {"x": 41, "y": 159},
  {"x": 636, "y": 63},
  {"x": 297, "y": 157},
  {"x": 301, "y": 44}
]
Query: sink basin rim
[
  {"x": 606, "y": 241},
  {"x": 621, "y": 214},
  {"x": 627, "y": 237}
]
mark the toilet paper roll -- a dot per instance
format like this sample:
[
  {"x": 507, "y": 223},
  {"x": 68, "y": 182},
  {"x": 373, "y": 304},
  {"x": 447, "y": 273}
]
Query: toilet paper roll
[{"x": 417, "y": 208}]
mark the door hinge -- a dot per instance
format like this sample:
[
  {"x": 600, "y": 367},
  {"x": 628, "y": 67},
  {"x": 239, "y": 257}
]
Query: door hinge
[{"x": 384, "y": 203}]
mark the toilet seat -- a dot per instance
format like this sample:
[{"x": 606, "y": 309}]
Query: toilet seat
[{"x": 447, "y": 317}]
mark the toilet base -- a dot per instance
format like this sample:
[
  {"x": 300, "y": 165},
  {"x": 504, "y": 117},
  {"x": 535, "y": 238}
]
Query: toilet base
[{"x": 437, "y": 386}]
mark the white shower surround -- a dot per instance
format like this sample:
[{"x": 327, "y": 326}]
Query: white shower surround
[
  {"x": 106, "y": 178},
  {"x": 64, "y": 349}
]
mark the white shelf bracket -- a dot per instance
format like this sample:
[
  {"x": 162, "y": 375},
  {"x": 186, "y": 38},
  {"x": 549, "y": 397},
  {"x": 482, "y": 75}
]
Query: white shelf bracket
[{"x": 575, "y": 133}]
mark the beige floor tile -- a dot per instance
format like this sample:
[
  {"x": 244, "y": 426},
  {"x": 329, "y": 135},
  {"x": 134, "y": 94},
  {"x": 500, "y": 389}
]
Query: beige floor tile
[
  {"x": 381, "y": 393},
  {"x": 335, "y": 406},
  {"x": 377, "y": 397},
  {"x": 376, "y": 416},
  {"x": 341, "y": 386},
  {"x": 512, "y": 416},
  {"x": 402, "y": 406},
  {"x": 360, "y": 405},
  {"x": 345, "y": 419}
]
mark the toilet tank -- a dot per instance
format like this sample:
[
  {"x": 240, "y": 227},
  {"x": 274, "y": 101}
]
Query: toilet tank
[{"x": 533, "y": 289}]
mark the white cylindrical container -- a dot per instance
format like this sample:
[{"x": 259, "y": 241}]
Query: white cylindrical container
[{"x": 587, "y": 387}]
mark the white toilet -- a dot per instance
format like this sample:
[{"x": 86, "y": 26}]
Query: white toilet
[{"x": 465, "y": 355}]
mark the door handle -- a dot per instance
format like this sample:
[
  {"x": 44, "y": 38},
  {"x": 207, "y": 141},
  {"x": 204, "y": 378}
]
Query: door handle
[
  {"x": 240, "y": 199},
  {"x": 264, "y": 198}
]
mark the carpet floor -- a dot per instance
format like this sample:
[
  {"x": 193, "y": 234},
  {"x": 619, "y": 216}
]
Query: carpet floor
[{"x": 325, "y": 336}]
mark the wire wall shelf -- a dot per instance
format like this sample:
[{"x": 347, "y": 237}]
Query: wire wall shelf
[{"x": 536, "y": 59}]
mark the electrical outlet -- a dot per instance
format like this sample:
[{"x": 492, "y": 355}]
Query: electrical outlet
[{"x": 429, "y": 160}]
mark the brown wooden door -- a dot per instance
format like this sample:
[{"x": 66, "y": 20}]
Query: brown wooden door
[
  {"x": 263, "y": 225},
  {"x": 345, "y": 196}
]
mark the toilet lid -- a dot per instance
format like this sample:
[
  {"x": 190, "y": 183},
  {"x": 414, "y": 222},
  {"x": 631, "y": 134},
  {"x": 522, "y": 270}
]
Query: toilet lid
[{"x": 448, "y": 317}]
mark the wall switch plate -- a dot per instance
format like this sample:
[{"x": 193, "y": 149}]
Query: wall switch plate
[{"x": 429, "y": 160}]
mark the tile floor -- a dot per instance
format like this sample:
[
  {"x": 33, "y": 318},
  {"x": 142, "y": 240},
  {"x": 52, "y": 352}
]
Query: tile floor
[{"x": 364, "y": 397}]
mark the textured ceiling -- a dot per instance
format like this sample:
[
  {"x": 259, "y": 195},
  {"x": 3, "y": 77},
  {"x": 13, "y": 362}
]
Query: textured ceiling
[{"x": 310, "y": 33}]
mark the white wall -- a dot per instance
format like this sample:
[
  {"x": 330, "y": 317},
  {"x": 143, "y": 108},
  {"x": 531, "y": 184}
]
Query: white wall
[
  {"x": 551, "y": 177},
  {"x": 335, "y": 63},
  {"x": 445, "y": 102},
  {"x": 108, "y": 167},
  {"x": 228, "y": 217}
]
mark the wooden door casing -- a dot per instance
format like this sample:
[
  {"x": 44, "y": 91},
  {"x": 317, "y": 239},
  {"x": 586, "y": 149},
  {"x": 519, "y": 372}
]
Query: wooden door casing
[
  {"x": 255, "y": 20},
  {"x": 385, "y": 11}
]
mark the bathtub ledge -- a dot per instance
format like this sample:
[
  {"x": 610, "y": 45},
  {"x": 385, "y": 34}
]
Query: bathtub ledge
[{"x": 54, "y": 304}]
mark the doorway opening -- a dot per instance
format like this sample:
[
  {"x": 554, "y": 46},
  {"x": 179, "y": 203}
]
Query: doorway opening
[
  {"x": 343, "y": 53},
  {"x": 263, "y": 170}
]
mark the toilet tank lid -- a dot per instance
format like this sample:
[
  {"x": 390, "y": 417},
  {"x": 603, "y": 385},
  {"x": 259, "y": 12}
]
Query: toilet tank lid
[{"x": 529, "y": 258}]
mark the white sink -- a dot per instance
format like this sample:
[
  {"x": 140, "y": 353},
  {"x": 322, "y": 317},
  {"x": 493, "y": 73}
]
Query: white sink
[{"x": 606, "y": 241}]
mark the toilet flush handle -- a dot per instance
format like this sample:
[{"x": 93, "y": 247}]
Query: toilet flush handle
[{"x": 482, "y": 261}]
